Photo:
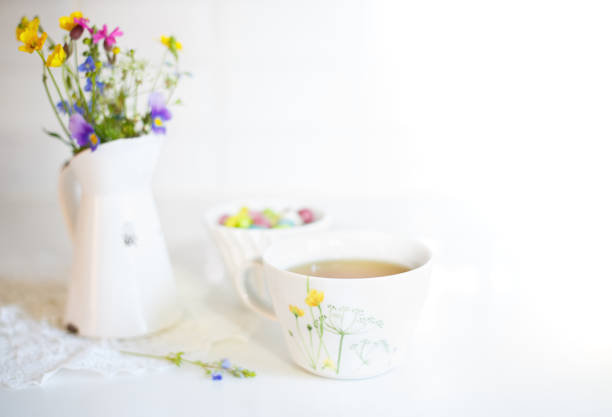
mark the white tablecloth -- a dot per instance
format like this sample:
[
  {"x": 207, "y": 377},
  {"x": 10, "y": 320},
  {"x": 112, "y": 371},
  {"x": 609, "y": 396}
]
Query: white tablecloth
[{"x": 476, "y": 352}]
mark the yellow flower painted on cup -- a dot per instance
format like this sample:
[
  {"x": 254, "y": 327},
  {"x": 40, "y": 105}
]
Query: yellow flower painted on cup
[
  {"x": 57, "y": 57},
  {"x": 297, "y": 312},
  {"x": 30, "y": 39},
  {"x": 329, "y": 364},
  {"x": 67, "y": 22},
  {"x": 314, "y": 298}
]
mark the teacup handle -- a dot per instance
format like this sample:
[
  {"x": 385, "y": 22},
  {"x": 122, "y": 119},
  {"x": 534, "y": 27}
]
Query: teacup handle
[{"x": 248, "y": 296}]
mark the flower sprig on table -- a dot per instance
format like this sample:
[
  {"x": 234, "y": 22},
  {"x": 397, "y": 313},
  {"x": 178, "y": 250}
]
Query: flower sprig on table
[
  {"x": 214, "y": 370},
  {"x": 99, "y": 90}
]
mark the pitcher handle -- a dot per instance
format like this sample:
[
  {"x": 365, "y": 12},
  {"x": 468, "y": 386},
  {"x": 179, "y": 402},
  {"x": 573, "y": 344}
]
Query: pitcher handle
[
  {"x": 248, "y": 296},
  {"x": 69, "y": 197}
]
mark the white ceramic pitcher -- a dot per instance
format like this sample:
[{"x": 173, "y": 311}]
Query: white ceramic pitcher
[{"x": 121, "y": 282}]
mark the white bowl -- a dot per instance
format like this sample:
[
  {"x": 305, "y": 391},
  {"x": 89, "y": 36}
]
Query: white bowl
[{"x": 239, "y": 246}]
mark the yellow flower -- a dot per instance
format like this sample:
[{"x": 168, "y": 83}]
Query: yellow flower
[
  {"x": 30, "y": 39},
  {"x": 171, "y": 40},
  {"x": 67, "y": 22},
  {"x": 57, "y": 57},
  {"x": 296, "y": 310},
  {"x": 22, "y": 26},
  {"x": 314, "y": 298},
  {"x": 328, "y": 363},
  {"x": 116, "y": 50}
]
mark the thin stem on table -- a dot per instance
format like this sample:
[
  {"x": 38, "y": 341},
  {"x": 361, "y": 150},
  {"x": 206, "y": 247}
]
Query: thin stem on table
[{"x": 213, "y": 369}]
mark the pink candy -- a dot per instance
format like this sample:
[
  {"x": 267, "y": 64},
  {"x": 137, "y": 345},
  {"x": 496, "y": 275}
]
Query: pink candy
[
  {"x": 259, "y": 219},
  {"x": 307, "y": 215}
]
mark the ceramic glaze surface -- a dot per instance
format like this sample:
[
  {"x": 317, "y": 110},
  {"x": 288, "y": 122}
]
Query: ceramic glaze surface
[
  {"x": 121, "y": 282},
  {"x": 344, "y": 328}
]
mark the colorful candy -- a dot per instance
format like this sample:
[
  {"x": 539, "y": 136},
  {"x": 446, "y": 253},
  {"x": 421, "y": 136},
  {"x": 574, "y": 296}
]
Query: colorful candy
[
  {"x": 307, "y": 215},
  {"x": 267, "y": 218}
]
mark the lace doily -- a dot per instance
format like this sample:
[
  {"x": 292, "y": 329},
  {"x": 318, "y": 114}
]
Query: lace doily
[{"x": 34, "y": 346}]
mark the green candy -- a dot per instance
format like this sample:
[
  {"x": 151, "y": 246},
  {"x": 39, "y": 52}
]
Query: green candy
[
  {"x": 272, "y": 216},
  {"x": 244, "y": 222}
]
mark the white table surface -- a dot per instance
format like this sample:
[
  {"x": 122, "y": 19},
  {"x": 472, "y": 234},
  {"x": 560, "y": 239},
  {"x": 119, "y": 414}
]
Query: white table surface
[{"x": 477, "y": 351}]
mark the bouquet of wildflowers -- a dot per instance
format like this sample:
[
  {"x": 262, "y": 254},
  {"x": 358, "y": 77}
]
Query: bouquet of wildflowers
[{"x": 98, "y": 91}]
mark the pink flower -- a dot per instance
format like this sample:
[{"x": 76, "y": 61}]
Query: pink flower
[
  {"x": 82, "y": 21},
  {"x": 109, "y": 38}
]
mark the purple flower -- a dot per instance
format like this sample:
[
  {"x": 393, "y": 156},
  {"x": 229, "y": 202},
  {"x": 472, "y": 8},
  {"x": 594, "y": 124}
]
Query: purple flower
[
  {"x": 226, "y": 364},
  {"x": 159, "y": 112},
  {"x": 83, "y": 132},
  {"x": 216, "y": 376},
  {"x": 99, "y": 85},
  {"x": 88, "y": 66}
]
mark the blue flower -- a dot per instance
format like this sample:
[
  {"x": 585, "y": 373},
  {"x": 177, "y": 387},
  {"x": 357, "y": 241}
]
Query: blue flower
[
  {"x": 226, "y": 364},
  {"x": 99, "y": 85},
  {"x": 83, "y": 132},
  {"x": 216, "y": 376},
  {"x": 79, "y": 109},
  {"x": 88, "y": 66},
  {"x": 64, "y": 108},
  {"x": 159, "y": 112}
]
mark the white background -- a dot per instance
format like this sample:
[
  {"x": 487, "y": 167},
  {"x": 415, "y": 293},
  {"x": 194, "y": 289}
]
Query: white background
[{"x": 498, "y": 110}]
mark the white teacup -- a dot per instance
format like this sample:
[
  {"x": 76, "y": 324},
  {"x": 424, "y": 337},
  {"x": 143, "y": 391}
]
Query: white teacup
[{"x": 343, "y": 327}]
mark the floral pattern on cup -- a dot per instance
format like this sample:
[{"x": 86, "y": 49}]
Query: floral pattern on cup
[{"x": 343, "y": 322}]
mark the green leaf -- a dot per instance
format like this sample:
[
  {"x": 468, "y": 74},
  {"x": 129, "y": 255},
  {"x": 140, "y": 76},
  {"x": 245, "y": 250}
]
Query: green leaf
[{"x": 54, "y": 134}]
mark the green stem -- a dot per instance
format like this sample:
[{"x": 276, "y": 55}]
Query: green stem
[
  {"x": 170, "y": 94},
  {"x": 311, "y": 346},
  {"x": 160, "y": 70},
  {"x": 176, "y": 70},
  {"x": 66, "y": 89},
  {"x": 297, "y": 326},
  {"x": 339, "y": 353},
  {"x": 59, "y": 119},
  {"x": 45, "y": 68},
  {"x": 93, "y": 94},
  {"x": 135, "y": 98},
  {"x": 75, "y": 76},
  {"x": 168, "y": 358},
  {"x": 322, "y": 324},
  {"x": 144, "y": 355}
]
